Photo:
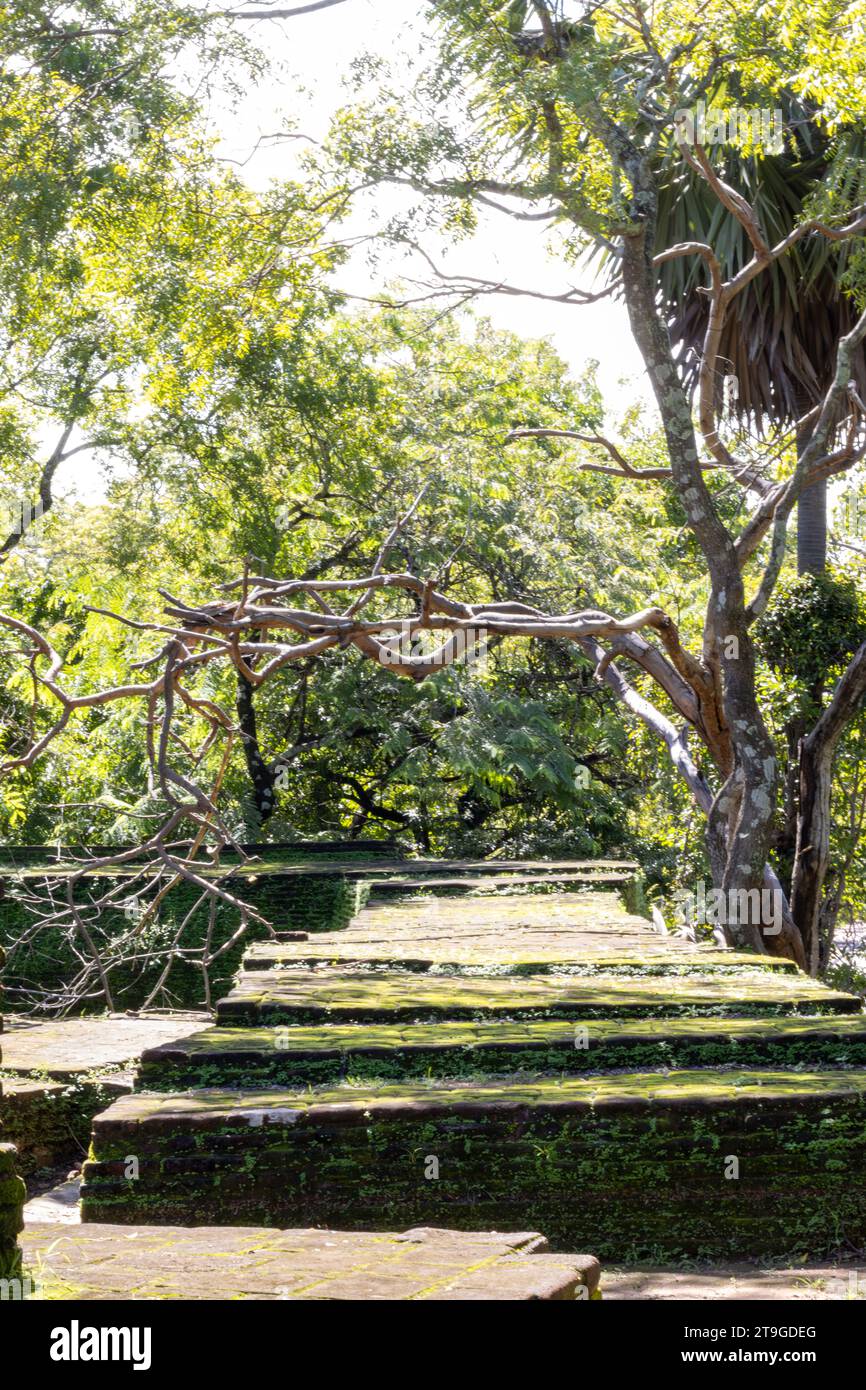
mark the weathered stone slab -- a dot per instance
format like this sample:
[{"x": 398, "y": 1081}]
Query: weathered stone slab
[
  {"x": 423, "y": 1265},
  {"x": 316, "y": 1056},
  {"x": 489, "y": 883},
  {"x": 72, "y": 1048},
  {"x": 635, "y": 1091},
  {"x": 624, "y": 1164},
  {"x": 546, "y": 953},
  {"x": 331, "y": 995}
]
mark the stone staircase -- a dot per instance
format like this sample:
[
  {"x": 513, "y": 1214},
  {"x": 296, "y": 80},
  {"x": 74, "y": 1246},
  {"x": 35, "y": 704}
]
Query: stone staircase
[{"x": 505, "y": 1056}]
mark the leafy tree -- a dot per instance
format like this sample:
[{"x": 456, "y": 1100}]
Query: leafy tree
[
  {"x": 569, "y": 120},
  {"x": 305, "y": 474},
  {"x": 777, "y": 346}
]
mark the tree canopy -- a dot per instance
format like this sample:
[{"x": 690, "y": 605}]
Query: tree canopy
[{"x": 654, "y": 678}]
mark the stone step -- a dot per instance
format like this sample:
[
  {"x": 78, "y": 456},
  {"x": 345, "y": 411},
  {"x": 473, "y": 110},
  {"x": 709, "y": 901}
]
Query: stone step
[
  {"x": 513, "y": 954},
  {"x": 489, "y": 883},
  {"x": 302, "y": 1056},
  {"x": 578, "y": 932},
  {"x": 593, "y": 912},
  {"x": 593, "y": 908},
  {"x": 324, "y": 995},
  {"x": 498, "y": 868},
  {"x": 423, "y": 1265},
  {"x": 698, "y": 1163}
]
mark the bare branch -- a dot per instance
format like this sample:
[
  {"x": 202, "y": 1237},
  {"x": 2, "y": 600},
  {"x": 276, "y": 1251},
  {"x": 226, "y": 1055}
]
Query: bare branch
[{"x": 283, "y": 14}]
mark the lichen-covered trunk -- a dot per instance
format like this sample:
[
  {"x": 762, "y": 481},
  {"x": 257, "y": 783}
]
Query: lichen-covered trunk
[
  {"x": 741, "y": 818},
  {"x": 814, "y": 824},
  {"x": 813, "y": 846}
]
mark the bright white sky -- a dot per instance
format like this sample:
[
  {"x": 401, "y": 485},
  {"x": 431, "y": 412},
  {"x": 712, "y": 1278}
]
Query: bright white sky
[
  {"x": 312, "y": 55},
  {"x": 315, "y": 52}
]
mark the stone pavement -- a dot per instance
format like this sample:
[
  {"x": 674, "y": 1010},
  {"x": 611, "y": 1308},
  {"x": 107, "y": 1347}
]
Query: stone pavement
[
  {"x": 424, "y": 1265},
  {"x": 56, "y": 1076}
]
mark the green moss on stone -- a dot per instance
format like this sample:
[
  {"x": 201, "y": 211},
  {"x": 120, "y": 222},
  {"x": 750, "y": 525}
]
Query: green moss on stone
[{"x": 623, "y": 1165}]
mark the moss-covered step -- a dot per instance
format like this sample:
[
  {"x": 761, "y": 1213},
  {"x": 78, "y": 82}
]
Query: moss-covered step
[
  {"x": 632, "y": 1166},
  {"x": 325, "y": 995},
  {"x": 549, "y": 954},
  {"x": 599, "y": 915},
  {"x": 582, "y": 932},
  {"x": 490, "y": 884},
  {"x": 431, "y": 869},
  {"x": 302, "y": 1056},
  {"x": 422, "y": 1265}
]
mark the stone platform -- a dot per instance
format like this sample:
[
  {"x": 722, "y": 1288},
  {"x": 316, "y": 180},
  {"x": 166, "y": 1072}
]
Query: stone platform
[
  {"x": 509, "y": 933},
  {"x": 341, "y": 996},
  {"x": 636, "y": 1158},
  {"x": 75, "y": 1048}
]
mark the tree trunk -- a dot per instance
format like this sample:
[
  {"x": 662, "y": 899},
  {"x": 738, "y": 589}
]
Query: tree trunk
[
  {"x": 261, "y": 775},
  {"x": 814, "y": 824},
  {"x": 812, "y": 529},
  {"x": 741, "y": 819},
  {"x": 787, "y": 941},
  {"x": 811, "y": 517}
]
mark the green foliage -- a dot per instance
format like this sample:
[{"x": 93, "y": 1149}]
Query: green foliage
[{"x": 814, "y": 624}]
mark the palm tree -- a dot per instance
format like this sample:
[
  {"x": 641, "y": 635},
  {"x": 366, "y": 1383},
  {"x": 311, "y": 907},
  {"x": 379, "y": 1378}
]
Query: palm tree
[
  {"x": 780, "y": 340},
  {"x": 781, "y": 335}
]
